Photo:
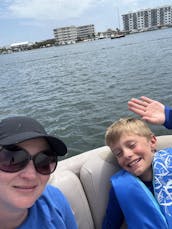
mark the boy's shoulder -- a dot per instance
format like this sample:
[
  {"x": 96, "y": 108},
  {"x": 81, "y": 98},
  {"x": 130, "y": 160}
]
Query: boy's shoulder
[
  {"x": 118, "y": 173},
  {"x": 166, "y": 152},
  {"x": 122, "y": 174},
  {"x": 162, "y": 163}
]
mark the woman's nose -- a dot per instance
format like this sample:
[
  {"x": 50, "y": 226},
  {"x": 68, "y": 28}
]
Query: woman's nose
[{"x": 29, "y": 171}]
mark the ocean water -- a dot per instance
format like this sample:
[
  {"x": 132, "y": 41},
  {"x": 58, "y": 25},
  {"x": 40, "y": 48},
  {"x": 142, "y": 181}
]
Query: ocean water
[{"x": 77, "y": 91}]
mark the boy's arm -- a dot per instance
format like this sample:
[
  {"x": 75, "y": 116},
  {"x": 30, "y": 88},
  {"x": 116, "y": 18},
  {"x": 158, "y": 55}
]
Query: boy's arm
[
  {"x": 168, "y": 117},
  {"x": 114, "y": 216}
]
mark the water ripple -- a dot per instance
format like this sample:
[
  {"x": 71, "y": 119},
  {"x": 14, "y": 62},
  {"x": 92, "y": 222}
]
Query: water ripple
[{"x": 76, "y": 91}]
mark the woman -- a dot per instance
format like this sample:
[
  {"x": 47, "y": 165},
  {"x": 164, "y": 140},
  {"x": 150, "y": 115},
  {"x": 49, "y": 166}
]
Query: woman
[{"x": 28, "y": 155}]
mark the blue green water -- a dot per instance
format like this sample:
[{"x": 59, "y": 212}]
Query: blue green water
[{"x": 77, "y": 91}]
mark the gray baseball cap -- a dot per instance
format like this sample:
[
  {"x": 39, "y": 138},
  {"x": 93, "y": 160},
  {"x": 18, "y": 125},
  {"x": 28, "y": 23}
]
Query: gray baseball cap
[{"x": 14, "y": 130}]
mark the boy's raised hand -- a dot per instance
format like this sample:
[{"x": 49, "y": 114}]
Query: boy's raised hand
[{"x": 150, "y": 110}]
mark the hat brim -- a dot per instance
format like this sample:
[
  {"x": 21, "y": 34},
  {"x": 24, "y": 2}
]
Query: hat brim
[{"x": 56, "y": 144}]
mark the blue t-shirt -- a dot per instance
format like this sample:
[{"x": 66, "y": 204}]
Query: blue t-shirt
[{"x": 50, "y": 211}]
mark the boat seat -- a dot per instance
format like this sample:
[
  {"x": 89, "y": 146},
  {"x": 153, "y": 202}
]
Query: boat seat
[{"x": 84, "y": 179}]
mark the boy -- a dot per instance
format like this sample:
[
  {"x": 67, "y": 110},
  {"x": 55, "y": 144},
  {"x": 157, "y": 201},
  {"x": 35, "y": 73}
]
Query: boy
[{"x": 132, "y": 195}]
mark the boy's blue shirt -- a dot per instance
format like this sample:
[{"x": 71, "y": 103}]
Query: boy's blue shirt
[
  {"x": 114, "y": 215},
  {"x": 50, "y": 211}
]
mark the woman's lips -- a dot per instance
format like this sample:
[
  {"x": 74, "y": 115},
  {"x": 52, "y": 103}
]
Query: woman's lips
[{"x": 24, "y": 188}]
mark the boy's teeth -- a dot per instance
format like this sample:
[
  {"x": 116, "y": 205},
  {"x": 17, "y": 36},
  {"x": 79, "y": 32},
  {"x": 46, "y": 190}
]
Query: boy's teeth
[{"x": 134, "y": 162}]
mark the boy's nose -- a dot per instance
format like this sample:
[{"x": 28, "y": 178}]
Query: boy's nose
[{"x": 127, "y": 153}]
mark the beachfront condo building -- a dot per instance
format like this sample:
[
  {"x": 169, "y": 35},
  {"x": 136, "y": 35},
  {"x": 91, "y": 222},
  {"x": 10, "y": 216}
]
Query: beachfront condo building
[
  {"x": 65, "y": 35},
  {"x": 147, "y": 19},
  {"x": 85, "y": 32},
  {"x": 71, "y": 34}
]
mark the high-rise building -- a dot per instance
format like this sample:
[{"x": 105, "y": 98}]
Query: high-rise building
[
  {"x": 147, "y": 19},
  {"x": 85, "y": 32},
  {"x": 71, "y": 34},
  {"x": 65, "y": 35}
]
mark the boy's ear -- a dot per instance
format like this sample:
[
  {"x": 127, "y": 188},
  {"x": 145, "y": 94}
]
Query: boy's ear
[{"x": 153, "y": 142}]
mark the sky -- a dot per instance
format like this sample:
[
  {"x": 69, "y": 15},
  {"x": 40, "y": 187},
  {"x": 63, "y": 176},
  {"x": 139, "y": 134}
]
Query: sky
[{"x": 34, "y": 20}]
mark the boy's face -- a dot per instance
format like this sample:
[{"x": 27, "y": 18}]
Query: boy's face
[{"x": 135, "y": 154}]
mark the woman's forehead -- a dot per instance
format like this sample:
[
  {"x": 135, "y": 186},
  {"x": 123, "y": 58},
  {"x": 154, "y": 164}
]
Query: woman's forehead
[{"x": 35, "y": 141}]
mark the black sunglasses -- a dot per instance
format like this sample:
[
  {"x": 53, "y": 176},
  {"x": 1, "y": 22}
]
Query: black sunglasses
[{"x": 14, "y": 158}]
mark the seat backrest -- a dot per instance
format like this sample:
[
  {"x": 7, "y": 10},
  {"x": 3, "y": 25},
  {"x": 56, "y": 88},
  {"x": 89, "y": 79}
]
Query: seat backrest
[
  {"x": 69, "y": 183},
  {"x": 84, "y": 179},
  {"x": 94, "y": 177}
]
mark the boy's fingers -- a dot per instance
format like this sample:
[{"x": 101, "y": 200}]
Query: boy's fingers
[
  {"x": 138, "y": 102},
  {"x": 146, "y": 99},
  {"x": 140, "y": 112},
  {"x": 138, "y": 106}
]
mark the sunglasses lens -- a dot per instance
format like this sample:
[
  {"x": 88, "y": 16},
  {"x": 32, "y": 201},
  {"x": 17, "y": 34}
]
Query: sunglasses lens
[
  {"x": 45, "y": 162},
  {"x": 12, "y": 159}
]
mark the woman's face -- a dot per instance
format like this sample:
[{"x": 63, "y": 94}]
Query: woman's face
[{"x": 21, "y": 189}]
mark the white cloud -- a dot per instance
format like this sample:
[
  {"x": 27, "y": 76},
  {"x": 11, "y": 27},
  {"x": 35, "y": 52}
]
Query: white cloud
[
  {"x": 58, "y": 10},
  {"x": 49, "y": 9}
]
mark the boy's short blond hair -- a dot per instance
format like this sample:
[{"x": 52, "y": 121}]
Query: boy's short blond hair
[{"x": 129, "y": 126}]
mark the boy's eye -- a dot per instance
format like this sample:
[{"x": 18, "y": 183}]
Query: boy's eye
[
  {"x": 132, "y": 145},
  {"x": 117, "y": 153}
]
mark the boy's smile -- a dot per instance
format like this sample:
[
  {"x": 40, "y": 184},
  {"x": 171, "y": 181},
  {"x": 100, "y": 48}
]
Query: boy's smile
[
  {"x": 135, "y": 154},
  {"x": 134, "y": 163}
]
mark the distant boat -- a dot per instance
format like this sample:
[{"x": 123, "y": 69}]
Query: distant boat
[
  {"x": 117, "y": 36},
  {"x": 101, "y": 36}
]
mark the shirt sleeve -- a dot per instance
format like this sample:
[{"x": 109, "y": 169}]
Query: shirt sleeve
[
  {"x": 168, "y": 117},
  {"x": 114, "y": 216},
  {"x": 60, "y": 203}
]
